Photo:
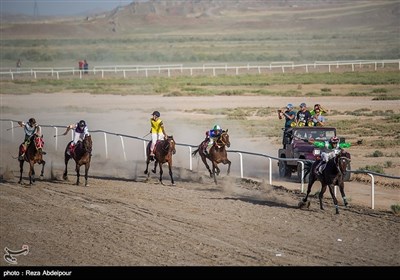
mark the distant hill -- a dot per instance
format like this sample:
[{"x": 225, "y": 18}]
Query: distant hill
[
  {"x": 211, "y": 30},
  {"x": 204, "y": 14}
]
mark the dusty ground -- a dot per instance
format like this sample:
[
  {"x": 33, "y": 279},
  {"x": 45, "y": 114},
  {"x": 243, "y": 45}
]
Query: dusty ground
[{"x": 121, "y": 220}]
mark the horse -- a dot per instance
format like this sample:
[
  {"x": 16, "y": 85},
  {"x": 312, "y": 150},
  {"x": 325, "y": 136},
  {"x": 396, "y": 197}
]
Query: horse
[
  {"x": 216, "y": 155},
  {"x": 82, "y": 156},
  {"x": 33, "y": 154},
  {"x": 332, "y": 175},
  {"x": 163, "y": 152}
]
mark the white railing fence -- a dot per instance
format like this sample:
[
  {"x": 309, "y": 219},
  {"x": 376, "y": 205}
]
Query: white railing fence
[{"x": 127, "y": 71}]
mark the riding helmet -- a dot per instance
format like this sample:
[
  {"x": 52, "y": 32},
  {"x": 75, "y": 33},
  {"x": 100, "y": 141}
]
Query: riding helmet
[
  {"x": 32, "y": 121},
  {"x": 82, "y": 123},
  {"x": 216, "y": 127},
  {"x": 289, "y": 106},
  {"x": 156, "y": 113},
  {"x": 334, "y": 139},
  {"x": 303, "y": 105}
]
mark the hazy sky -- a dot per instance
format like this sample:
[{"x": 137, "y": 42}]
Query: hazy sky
[{"x": 58, "y": 7}]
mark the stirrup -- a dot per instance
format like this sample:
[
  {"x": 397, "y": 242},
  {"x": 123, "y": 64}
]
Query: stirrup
[{"x": 21, "y": 157}]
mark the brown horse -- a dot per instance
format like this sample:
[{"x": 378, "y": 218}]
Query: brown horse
[
  {"x": 216, "y": 155},
  {"x": 33, "y": 154},
  {"x": 333, "y": 175},
  {"x": 82, "y": 156},
  {"x": 163, "y": 152}
]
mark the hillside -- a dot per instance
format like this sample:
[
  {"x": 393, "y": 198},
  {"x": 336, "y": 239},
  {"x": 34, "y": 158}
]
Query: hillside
[{"x": 191, "y": 31}]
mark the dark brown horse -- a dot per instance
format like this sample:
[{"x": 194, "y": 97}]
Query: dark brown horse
[
  {"x": 216, "y": 155},
  {"x": 33, "y": 154},
  {"x": 82, "y": 156},
  {"x": 333, "y": 175},
  {"x": 163, "y": 152}
]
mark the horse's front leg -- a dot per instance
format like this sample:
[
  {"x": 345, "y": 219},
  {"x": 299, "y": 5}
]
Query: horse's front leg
[
  {"x": 161, "y": 173},
  {"x": 154, "y": 170},
  {"x": 227, "y": 161},
  {"x": 321, "y": 195},
  {"x": 66, "y": 159},
  {"x": 21, "y": 169},
  {"x": 170, "y": 172},
  {"x": 31, "y": 172},
  {"x": 77, "y": 169},
  {"x": 331, "y": 190},
  {"x": 341, "y": 188},
  {"x": 214, "y": 167},
  {"x": 87, "y": 165},
  {"x": 42, "y": 171}
]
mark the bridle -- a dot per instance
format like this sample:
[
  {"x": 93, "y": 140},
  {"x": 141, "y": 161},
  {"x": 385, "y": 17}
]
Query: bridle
[{"x": 221, "y": 139}]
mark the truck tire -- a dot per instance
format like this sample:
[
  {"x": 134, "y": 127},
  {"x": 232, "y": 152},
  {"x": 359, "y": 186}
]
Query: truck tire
[
  {"x": 284, "y": 170},
  {"x": 299, "y": 173}
]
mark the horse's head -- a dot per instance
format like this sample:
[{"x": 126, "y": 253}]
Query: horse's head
[
  {"x": 342, "y": 161},
  {"x": 171, "y": 142},
  {"x": 39, "y": 142},
  {"x": 223, "y": 139},
  {"x": 87, "y": 143}
]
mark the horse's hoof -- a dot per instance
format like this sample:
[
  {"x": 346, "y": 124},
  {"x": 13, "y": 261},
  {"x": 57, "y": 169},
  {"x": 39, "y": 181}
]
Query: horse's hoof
[
  {"x": 145, "y": 172},
  {"x": 308, "y": 204},
  {"x": 173, "y": 184},
  {"x": 301, "y": 204},
  {"x": 153, "y": 170}
]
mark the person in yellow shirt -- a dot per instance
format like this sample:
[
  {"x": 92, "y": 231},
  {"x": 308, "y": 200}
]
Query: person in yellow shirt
[{"x": 157, "y": 131}]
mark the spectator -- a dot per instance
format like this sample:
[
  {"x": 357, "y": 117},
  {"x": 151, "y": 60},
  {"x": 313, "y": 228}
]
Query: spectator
[
  {"x": 288, "y": 114},
  {"x": 318, "y": 106},
  {"x": 85, "y": 66},
  {"x": 317, "y": 118},
  {"x": 19, "y": 64},
  {"x": 303, "y": 116},
  {"x": 80, "y": 63}
]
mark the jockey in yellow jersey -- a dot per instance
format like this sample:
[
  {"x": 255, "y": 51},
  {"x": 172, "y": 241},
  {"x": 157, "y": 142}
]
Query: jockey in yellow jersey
[{"x": 157, "y": 131}]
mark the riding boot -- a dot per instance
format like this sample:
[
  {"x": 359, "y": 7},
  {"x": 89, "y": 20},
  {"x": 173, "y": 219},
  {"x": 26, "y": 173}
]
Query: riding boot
[
  {"x": 320, "y": 168},
  {"x": 21, "y": 157}
]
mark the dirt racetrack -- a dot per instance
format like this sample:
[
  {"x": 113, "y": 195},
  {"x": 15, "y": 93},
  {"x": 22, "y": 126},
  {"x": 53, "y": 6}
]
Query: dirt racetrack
[{"x": 120, "y": 220}]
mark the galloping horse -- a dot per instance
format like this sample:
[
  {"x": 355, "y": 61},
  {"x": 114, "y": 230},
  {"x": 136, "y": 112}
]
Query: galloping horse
[
  {"x": 82, "y": 156},
  {"x": 216, "y": 155},
  {"x": 33, "y": 154},
  {"x": 163, "y": 152},
  {"x": 332, "y": 175}
]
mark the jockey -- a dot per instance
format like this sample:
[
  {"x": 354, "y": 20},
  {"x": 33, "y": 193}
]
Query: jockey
[
  {"x": 211, "y": 136},
  {"x": 157, "y": 131},
  {"x": 80, "y": 131},
  {"x": 334, "y": 145},
  {"x": 30, "y": 128}
]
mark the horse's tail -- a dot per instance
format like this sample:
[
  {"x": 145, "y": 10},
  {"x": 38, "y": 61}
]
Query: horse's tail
[{"x": 195, "y": 152}]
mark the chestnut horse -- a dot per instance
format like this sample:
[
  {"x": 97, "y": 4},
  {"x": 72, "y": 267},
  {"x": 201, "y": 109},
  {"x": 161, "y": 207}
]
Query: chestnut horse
[
  {"x": 333, "y": 175},
  {"x": 163, "y": 152},
  {"x": 216, "y": 155},
  {"x": 82, "y": 156},
  {"x": 33, "y": 154}
]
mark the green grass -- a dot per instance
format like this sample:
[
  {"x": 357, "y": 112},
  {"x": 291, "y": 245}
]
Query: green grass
[{"x": 202, "y": 85}]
